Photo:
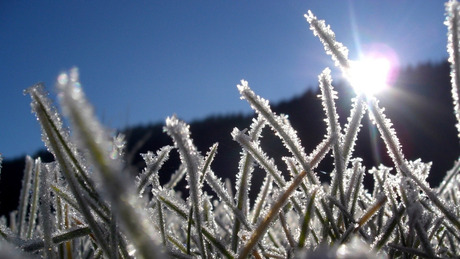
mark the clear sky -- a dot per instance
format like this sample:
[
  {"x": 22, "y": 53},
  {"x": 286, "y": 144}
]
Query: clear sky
[{"x": 141, "y": 61}]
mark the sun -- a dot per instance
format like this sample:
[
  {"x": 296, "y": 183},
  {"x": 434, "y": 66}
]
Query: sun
[{"x": 369, "y": 75}]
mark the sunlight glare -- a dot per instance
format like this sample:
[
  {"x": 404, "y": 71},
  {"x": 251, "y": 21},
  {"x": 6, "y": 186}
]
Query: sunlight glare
[{"x": 369, "y": 75}]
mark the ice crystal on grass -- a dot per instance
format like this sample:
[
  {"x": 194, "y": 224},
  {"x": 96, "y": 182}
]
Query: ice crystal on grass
[
  {"x": 93, "y": 138},
  {"x": 153, "y": 164},
  {"x": 280, "y": 125},
  {"x": 85, "y": 205},
  {"x": 335, "y": 49},
  {"x": 49, "y": 117},
  {"x": 45, "y": 213},
  {"x": 333, "y": 129},
  {"x": 328, "y": 95},
  {"x": 268, "y": 164},
  {"x": 453, "y": 48},
  {"x": 388, "y": 135},
  {"x": 24, "y": 196},
  {"x": 180, "y": 133},
  {"x": 244, "y": 176},
  {"x": 352, "y": 128}
]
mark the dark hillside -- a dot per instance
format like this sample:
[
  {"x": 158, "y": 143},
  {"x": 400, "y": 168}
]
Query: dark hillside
[
  {"x": 419, "y": 105},
  {"x": 421, "y": 109}
]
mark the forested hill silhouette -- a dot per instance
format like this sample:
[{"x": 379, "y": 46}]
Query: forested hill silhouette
[{"x": 419, "y": 104}]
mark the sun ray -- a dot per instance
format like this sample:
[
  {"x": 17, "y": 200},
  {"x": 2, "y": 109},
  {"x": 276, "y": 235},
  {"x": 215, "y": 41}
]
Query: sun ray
[{"x": 369, "y": 75}]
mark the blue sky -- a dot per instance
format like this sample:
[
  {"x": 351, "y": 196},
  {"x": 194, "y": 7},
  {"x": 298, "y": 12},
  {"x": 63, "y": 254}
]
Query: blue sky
[{"x": 141, "y": 61}]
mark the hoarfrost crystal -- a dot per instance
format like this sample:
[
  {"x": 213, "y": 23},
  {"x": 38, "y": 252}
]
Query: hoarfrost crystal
[{"x": 337, "y": 50}]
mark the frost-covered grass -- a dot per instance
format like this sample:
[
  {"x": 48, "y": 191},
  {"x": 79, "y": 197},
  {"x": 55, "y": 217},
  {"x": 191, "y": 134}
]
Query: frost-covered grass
[{"x": 84, "y": 205}]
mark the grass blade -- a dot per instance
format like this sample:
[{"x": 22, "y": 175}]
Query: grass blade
[
  {"x": 453, "y": 48},
  {"x": 33, "y": 214},
  {"x": 45, "y": 212},
  {"x": 333, "y": 129},
  {"x": 93, "y": 138},
  {"x": 280, "y": 125},
  {"x": 180, "y": 133},
  {"x": 263, "y": 225},
  {"x": 24, "y": 196},
  {"x": 307, "y": 219}
]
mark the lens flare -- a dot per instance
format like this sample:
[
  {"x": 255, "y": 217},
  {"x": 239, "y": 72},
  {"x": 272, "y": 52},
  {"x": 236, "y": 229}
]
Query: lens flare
[
  {"x": 374, "y": 70},
  {"x": 369, "y": 75}
]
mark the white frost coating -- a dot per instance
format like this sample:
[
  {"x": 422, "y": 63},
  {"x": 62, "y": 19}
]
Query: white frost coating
[
  {"x": 328, "y": 95},
  {"x": 291, "y": 165},
  {"x": 261, "y": 199},
  {"x": 384, "y": 181},
  {"x": 267, "y": 163},
  {"x": 169, "y": 198},
  {"x": 246, "y": 167},
  {"x": 24, "y": 196},
  {"x": 153, "y": 164},
  {"x": 413, "y": 206},
  {"x": 92, "y": 137},
  {"x": 337, "y": 50},
  {"x": 41, "y": 102},
  {"x": 453, "y": 26},
  {"x": 54, "y": 135},
  {"x": 207, "y": 161},
  {"x": 222, "y": 193},
  {"x": 85, "y": 124},
  {"x": 388, "y": 135},
  {"x": 420, "y": 169},
  {"x": 243, "y": 179},
  {"x": 333, "y": 129},
  {"x": 280, "y": 126},
  {"x": 33, "y": 212},
  {"x": 217, "y": 186},
  {"x": 45, "y": 213},
  {"x": 319, "y": 153},
  {"x": 180, "y": 133},
  {"x": 209, "y": 218},
  {"x": 352, "y": 127},
  {"x": 90, "y": 134},
  {"x": 353, "y": 177}
]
